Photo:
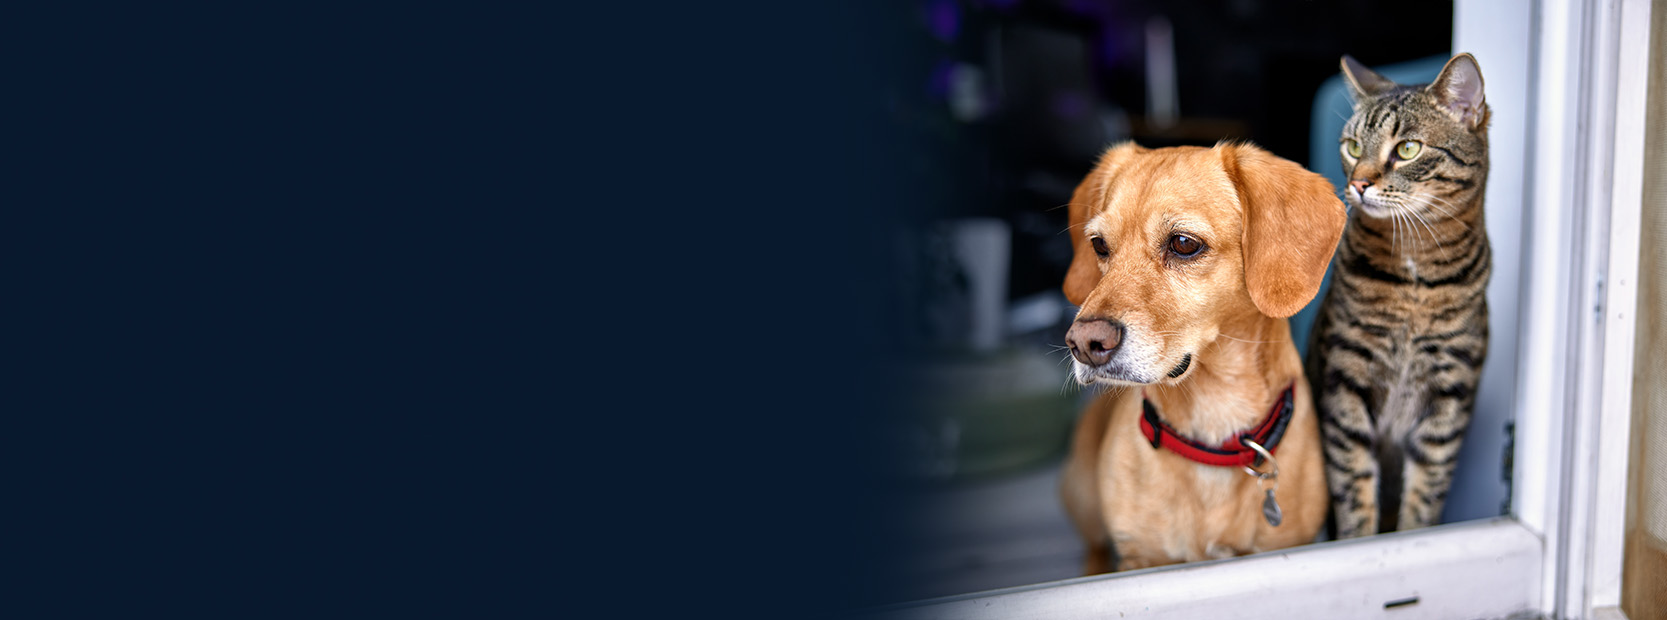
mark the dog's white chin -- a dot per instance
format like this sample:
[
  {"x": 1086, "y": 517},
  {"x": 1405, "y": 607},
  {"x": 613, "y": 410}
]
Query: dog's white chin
[
  {"x": 1123, "y": 377},
  {"x": 1095, "y": 379},
  {"x": 1105, "y": 375}
]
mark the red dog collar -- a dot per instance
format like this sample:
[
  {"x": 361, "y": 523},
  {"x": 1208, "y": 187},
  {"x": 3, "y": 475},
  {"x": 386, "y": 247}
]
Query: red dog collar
[{"x": 1232, "y": 453}]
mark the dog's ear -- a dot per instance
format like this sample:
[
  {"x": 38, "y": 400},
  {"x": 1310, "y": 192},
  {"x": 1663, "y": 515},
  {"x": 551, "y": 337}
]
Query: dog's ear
[
  {"x": 1084, "y": 273},
  {"x": 1292, "y": 221}
]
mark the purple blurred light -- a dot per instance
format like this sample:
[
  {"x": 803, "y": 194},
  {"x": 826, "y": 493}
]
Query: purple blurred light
[
  {"x": 938, "y": 84},
  {"x": 1085, "y": 7},
  {"x": 943, "y": 18},
  {"x": 1111, "y": 47},
  {"x": 1070, "y": 105}
]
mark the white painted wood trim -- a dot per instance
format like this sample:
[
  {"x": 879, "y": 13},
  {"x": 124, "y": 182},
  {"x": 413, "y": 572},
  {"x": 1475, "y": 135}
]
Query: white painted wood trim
[
  {"x": 1571, "y": 546},
  {"x": 1477, "y": 569},
  {"x": 1544, "y": 335},
  {"x": 1619, "y": 325},
  {"x": 1577, "y": 340}
]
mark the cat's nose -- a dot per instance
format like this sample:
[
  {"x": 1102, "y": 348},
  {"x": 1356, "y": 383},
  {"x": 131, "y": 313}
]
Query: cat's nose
[{"x": 1360, "y": 186}]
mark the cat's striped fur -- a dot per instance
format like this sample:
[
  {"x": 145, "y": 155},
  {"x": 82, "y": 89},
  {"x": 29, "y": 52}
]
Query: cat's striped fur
[{"x": 1399, "y": 341}]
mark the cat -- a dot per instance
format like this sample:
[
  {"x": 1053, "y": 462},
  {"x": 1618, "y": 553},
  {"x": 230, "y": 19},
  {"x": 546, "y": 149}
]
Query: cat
[{"x": 1399, "y": 340}]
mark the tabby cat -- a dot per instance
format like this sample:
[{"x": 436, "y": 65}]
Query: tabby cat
[{"x": 1399, "y": 340}]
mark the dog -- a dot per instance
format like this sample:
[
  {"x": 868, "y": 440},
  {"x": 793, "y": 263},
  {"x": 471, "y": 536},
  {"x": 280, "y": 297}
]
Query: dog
[{"x": 1187, "y": 262}]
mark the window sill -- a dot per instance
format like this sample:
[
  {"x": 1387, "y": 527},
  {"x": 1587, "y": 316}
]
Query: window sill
[{"x": 1476, "y": 569}]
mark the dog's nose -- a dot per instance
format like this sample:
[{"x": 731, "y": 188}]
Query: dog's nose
[{"x": 1093, "y": 341}]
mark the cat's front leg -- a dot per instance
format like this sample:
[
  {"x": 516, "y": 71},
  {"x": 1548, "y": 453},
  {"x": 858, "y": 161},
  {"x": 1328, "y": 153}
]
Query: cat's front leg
[
  {"x": 1432, "y": 453},
  {"x": 1351, "y": 471}
]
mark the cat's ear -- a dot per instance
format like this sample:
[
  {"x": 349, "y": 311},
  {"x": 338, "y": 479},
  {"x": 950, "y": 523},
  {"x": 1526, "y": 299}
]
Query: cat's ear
[
  {"x": 1363, "y": 83},
  {"x": 1084, "y": 273},
  {"x": 1292, "y": 221},
  {"x": 1459, "y": 89}
]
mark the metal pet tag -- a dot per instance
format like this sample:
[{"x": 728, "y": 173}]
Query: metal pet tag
[
  {"x": 1270, "y": 510},
  {"x": 1270, "y": 506}
]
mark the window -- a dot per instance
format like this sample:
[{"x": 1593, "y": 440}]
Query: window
[{"x": 1564, "y": 207}]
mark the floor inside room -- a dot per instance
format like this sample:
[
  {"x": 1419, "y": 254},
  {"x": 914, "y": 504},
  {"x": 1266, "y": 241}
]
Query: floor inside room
[{"x": 994, "y": 532}]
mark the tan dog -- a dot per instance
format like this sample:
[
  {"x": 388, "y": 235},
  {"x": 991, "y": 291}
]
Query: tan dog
[{"x": 1188, "y": 261}]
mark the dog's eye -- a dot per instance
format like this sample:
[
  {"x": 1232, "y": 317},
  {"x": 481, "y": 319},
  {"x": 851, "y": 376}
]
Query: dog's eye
[
  {"x": 1100, "y": 247},
  {"x": 1184, "y": 246}
]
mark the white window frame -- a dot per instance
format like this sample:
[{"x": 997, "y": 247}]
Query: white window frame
[
  {"x": 1574, "y": 409},
  {"x": 1559, "y": 553}
]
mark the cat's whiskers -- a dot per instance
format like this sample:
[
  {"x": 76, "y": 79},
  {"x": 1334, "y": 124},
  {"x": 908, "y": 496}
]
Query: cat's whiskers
[
  {"x": 1433, "y": 236},
  {"x": 1446, "y": 208},
  {"x": 1412, "y": 231},
  {"x": 1405, "y": 211},
  {"x": 1395, "y": 232}
]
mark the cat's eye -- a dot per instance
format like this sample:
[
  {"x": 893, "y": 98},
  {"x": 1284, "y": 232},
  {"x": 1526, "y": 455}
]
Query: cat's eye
[
  {"x": 1352, "y": 147},
  {"x": 1408, "y": 149},
  {"x": 1185, "y": 246},
  {"x": 1100, "y": 248}
]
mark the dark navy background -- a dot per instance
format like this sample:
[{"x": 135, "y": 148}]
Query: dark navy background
[{"x": 457, "y": 311}]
